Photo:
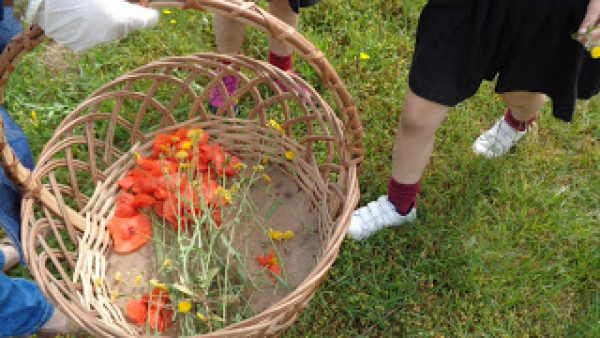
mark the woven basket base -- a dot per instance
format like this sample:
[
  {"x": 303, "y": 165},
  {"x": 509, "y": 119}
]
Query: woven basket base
[{"x": 289, "y": 208}]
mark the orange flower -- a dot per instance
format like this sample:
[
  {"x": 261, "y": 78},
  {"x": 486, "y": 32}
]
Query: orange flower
[
  {"x": 153, "y": 308},
  {"x": 270, "y": 262},
  {"x": 130, "y": 233}
]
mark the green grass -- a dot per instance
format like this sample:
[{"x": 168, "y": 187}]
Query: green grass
[{"x": 506, "y": 247}]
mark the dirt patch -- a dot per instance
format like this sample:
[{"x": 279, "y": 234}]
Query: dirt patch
[{"x": 58, "y": 59}]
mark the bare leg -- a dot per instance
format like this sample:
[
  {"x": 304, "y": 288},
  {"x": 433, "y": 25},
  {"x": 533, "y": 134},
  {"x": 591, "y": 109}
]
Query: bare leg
[
  {"x": 281, "y": 9},
  {"x": 11, "y": 257},
  {"x": 524, "y": 105},
  {"x": 229, "y": 35},
  {"x": 415, "y": 137}
]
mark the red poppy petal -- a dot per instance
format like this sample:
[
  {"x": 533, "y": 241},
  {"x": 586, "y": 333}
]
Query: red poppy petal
[{"x": 137, "y": 311}]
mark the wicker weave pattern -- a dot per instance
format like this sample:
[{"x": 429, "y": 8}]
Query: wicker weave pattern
[{"x": 91, "y": 149}]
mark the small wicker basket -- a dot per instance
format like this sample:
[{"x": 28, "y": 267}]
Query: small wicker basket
[{"x": 91, "y": 148}]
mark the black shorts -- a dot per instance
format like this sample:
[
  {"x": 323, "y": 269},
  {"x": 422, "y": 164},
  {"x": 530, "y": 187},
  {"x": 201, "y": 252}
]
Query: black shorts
[
  {"x": 526, "y": 45},
  {"x": 297, "y": 4}
]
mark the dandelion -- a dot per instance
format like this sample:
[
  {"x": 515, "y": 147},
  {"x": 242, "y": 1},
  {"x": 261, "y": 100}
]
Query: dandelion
[
  {"x": 138, "y": 279},
  {"x": 265, "y": 160},
  {"x": 136, "y": 155},
  {"x": 595, "y": 52},
  {"x": 267, "y": 177},
  {"x": 185, "y": 306},
  {"x": 364, "y": 56},
  {"x": 239, "y": 166},
  {"x": 33, "y": 115},
  {"x": 167, "y": 262},
  {"x": 201, "y": 317},
  {"x": 289, "y": 155},
  {"x": 273, "y": 124},
  {"x": 226, "y": 194},
  {"x": 166, "y": 11},
  {"x": 289, "y": 234},
  {"x": 173, "y": 21}
]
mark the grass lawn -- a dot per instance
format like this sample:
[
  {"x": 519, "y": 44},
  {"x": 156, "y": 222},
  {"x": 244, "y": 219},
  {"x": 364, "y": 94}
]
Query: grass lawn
[{"x": 506, "y": 247}]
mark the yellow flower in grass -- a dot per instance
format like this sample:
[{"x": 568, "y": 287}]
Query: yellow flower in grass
[
  {"x": 173, "y": 21},
  {"x": 156, "y": 284},
  {"x": 185, "y": 306},
  {"x": 201, "y": 317},
  {"x": 167, "y": 262},
  {"x": 273, "y": 124},
  {"x": 595, "y": 52},
  {"x": 364, "y": 56},
  {"x": 138, "y": 279},
  {"x": 33, "y": 115},
  {"x": 166, "y": 11},
  {"x": 289, "y": 234},
  {"x": 289, "y": 155}
]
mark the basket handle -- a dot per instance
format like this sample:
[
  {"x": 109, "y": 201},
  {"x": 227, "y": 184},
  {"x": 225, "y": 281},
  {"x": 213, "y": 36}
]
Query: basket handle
[{"x": 246, "y": 12}]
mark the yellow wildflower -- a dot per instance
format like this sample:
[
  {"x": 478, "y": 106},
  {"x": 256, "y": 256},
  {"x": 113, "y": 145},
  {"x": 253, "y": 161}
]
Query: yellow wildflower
[
  {"x": 166, "y": 11},
  {"x": 118, "y": 276},
  {"x": 186, "y": 145},
  {"x": 275, "y": 235},
  {"x": 156, "y": 284},
  {"x": 267, "y": 177},
  {"x": 175, "y": 139},
  {"x": 226, "y": 194},
  {"x": 136, "y": 155},
  {"x": 173, "y": 21},
  {"x": 195, "y": 134},
  {"x": 273, "y": 124},
  {"x": 138, "y": 279},
  {"x": 239, "y": 166},
  {"x": 364, "y": 56},
  {"x": 289, "y": 234},
  {"x": 98, "y": 282},
  {"x": 182, "y": 154},
  {"x": 265, "y": 160},
  {"x": 167, "y": 262},
  {"x": 258, "y": 167},
  {"x": 185, "y": 306},
  {"x": 289, "y": 155},
  {"x": 114, "y": 294},
  {"x": 595, "y": 52},
  {"x": 184, "y": 165},
  {"x": 33, "y": 115},
  {"x": 201, "y": 317}
]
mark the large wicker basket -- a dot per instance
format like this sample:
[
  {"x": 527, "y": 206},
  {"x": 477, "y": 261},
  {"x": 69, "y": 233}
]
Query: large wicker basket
[{"x": 73, "y": 188}]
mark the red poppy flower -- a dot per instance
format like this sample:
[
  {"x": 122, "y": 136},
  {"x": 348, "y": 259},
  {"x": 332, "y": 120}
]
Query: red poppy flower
[
  {"x": 137, "y": 311},
  {"x": 270, "y": 262},
  {"x": 125, "y": 205},
  {"x": 153, "y": 307},
  {"x": 130, "y": 233}
]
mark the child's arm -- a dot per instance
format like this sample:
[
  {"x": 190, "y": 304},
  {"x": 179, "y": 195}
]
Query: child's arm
[{"x": 591, "y": 19}]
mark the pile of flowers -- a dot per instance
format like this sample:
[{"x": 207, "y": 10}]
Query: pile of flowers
[{"x": 175, "y": 198}]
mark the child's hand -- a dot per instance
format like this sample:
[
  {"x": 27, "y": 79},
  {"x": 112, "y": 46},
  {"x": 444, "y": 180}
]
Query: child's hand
[
  {"x": 83, "y": 24},
  {"x": 589, "y": 33}
]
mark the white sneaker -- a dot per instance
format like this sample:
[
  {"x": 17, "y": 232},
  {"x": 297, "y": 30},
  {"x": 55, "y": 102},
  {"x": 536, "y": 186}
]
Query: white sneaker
[
  {"x": 375, "y": 216},
  {"x": 498, "y": 140}
]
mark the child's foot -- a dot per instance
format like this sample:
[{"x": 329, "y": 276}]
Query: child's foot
[
  {"x": 498, "y": 140},
  {"x": 375, "y": 216},
  {"x": 215, "y": 100}
]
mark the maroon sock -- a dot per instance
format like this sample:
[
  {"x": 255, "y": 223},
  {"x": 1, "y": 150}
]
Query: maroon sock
[
  {"x": 282, "y": 62},
  {"x": 516, "y": 124},
  {"x": 403, "y": 196}
]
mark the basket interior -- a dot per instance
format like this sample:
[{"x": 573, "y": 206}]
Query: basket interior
[{"x": 91, "y": 148}]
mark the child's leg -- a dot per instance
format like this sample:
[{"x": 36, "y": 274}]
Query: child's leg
[
  {"x": 280, "y": 54},
  {"x": 229, "y": 35},
  {"x": 414, "y": 143},
  {"x": 523, "y": 109}
]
